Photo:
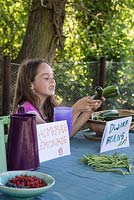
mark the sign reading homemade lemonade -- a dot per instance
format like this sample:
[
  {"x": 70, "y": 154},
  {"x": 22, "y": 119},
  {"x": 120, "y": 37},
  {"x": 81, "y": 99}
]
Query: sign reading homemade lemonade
[
  {"x": 53, "y": 140},
  {"x": 116, "y": 134}
]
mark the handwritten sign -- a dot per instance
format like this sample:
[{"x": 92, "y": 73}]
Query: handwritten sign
[
  {"x": 53, "y": 140},
  {"x": 116, "y": 134}
]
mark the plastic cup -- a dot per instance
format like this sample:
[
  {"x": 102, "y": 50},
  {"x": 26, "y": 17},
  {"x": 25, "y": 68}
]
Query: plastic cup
[{"x": 64, "y": 113}]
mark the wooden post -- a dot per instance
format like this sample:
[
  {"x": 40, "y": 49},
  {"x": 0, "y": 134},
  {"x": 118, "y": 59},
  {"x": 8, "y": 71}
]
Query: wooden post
[
  {"x": 6, "y": 81},
  {"x": 1, "y": 62},
  {"x": 102, "y": 73}
]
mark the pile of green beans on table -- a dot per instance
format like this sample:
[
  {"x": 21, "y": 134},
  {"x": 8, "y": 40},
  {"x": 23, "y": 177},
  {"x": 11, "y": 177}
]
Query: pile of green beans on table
[{"x": 117, "y": 163}]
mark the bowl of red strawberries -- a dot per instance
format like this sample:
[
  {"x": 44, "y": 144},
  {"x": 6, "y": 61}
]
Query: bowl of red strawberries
[{"x": 25, "y": 184}]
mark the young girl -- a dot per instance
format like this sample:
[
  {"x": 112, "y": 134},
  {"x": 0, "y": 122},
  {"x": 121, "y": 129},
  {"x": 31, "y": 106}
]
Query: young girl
[{"x": 35, "y": 91}]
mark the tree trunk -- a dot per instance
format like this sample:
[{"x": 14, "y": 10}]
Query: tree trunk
[{"x": 44, "y": 30}]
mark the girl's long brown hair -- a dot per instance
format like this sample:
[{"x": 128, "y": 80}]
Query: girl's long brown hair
[{"x": 23, "y": 92}]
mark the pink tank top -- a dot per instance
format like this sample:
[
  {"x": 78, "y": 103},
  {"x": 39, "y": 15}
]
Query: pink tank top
[{"x": 29, "y": 107}]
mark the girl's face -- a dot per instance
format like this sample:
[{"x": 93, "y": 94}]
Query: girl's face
[{"x": 44, "y": 82}]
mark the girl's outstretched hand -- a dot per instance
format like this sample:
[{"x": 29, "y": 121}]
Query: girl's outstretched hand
[
  {"x": 82, "y": 111},
  {"x": 87, "y": 104}
]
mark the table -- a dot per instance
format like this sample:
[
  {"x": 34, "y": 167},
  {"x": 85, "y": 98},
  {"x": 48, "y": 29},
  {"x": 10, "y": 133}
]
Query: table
[{"x": 77, "y": 181}]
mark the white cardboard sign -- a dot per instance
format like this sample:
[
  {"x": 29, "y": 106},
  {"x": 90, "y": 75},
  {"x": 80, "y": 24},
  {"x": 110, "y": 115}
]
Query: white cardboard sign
[
  {"x": 116, "y": 134},
  {"x": 53, "y": 140}
]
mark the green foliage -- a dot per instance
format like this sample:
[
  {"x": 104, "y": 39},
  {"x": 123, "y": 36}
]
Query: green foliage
[
  {"x": 75, "y": 80},
  {"x": 99, "y": 28},
  {"x": 124, "y": 78},
  {"x": 92, "y": 29},
  {"x": 13, "y": 21},
  {"x": 70, "y": 82}
]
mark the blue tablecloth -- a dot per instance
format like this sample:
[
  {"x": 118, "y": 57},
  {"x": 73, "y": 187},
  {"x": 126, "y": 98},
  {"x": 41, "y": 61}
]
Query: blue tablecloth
[{"x": 77, "y": 181}]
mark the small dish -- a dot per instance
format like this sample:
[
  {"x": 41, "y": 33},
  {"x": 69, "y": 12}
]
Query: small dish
[{"x": 24, "y": 193}]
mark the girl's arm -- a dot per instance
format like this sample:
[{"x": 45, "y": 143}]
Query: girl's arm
[
  {"x": 80, "y": 121},
  {"x": 82, "y": 110}
]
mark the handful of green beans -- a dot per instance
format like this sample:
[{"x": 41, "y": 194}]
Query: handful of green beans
[{"x": 117, "y": 163}]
